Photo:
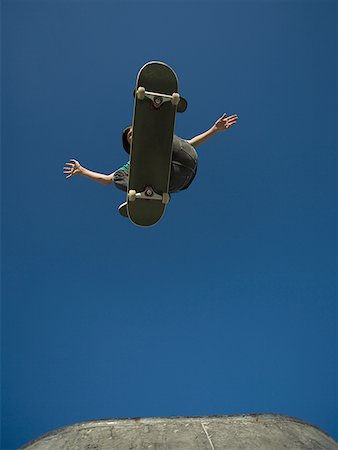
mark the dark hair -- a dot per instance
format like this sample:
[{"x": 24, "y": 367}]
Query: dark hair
[{"x": 125, "y": 142}]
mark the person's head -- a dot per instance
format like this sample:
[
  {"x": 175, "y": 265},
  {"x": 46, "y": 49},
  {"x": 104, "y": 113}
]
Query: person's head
[{"x": 127, "y": 134}]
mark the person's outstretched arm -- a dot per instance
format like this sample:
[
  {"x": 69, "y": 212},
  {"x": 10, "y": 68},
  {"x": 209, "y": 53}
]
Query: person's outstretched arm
[
  {"x": 73, "y": 167},
  {"x": 222, "y": 124}
]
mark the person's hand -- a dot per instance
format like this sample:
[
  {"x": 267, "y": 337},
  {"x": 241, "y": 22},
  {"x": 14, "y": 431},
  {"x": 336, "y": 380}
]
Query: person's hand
[
  {"x": 72, "y": 168},
  {"x": 225, "y": 122}
]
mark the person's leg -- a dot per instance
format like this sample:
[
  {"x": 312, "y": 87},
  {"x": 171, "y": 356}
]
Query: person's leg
[
  {"x": 183, "y": 166},
  {"x": 180, "y": 176},
  {"x": 120, "y": 179}
]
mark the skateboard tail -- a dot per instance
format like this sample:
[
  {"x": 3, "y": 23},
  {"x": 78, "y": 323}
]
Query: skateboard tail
[
  {"x": 150, "y": 217},
  {"x": 123, "y": 210},
  {"x": 157, "y": 70}
]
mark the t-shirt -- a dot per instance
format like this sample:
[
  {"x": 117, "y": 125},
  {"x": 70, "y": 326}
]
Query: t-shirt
[{"x": 125, "y": 167}]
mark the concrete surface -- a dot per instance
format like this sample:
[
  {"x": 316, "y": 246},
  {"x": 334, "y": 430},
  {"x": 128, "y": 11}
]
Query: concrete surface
[{"x": 261, "y": 431}]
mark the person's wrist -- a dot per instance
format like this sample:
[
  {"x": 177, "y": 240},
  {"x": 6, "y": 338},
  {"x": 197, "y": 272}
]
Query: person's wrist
[{"x": 81, "y": 170}]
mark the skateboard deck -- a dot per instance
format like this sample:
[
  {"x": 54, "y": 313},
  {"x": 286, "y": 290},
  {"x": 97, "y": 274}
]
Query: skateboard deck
[{"x": 155, "y": 107}]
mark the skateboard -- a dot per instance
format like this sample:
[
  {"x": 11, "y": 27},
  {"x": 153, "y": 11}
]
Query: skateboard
[{"x": 155, "y": 106}]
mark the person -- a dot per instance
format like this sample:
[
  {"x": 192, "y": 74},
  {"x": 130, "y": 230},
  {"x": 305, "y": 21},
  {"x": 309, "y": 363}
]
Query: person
[{"x": 184, "y": 159}]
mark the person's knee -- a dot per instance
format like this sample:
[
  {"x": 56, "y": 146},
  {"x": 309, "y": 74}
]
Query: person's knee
[{"x": 184, "y": 154}]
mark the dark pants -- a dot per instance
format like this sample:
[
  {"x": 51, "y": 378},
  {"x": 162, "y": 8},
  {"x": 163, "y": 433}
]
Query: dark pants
[{"x": 183, "y": 167}]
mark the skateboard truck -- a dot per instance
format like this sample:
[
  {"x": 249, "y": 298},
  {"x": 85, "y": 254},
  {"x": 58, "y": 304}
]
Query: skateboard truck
[
  {"x": 157, "y": 99},
  {"x": 148, "y": 194}
]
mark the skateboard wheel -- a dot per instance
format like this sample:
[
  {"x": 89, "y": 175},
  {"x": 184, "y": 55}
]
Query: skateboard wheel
[
  {"x": 165, "y": 198},
  {"x": 175, "y": 99},
  {"x": 141, "y": 93},
  {"x": 132, "y": 195}
]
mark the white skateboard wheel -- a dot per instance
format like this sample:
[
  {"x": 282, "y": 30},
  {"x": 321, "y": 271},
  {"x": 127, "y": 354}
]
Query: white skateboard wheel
[
  {"x": 175, "y": 99},
  {"x": 165, "y": 198},
  {"x": 132, "y": 195},
  {"x": 141, "y": 93}
]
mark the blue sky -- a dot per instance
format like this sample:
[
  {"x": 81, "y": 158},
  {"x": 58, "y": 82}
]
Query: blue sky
[{"x": 228, "y": 305}]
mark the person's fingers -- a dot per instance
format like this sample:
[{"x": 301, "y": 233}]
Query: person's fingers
[
  {"x": 231, "y": 121},
  {"x": 234, "y": 117}
]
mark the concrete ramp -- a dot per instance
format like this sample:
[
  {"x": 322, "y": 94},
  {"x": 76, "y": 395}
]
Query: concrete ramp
[{"x": 249, "y": 432}]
